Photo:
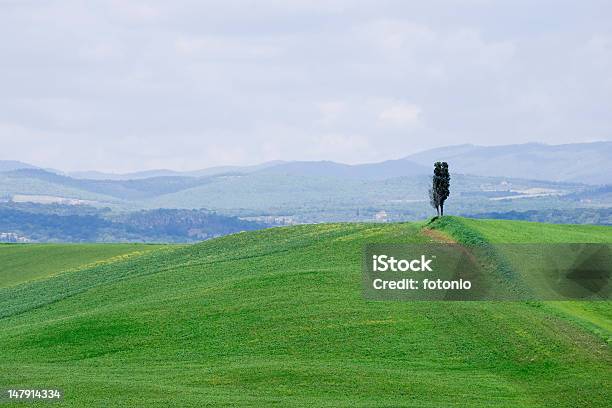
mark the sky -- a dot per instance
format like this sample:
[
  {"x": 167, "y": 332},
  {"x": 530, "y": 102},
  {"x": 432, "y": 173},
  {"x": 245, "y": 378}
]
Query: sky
[{"x": 132, "y": 85}]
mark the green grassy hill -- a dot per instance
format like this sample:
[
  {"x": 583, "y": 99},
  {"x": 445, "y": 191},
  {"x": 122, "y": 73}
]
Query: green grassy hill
[
  {"x": 502, "y": 231},
  {"x": 22, "y": 263},
  {"x": 593, "y": 316},
  {"x": 276, "y": 317}
]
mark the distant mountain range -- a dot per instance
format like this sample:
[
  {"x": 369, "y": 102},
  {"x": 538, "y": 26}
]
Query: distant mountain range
[
  {"x": 589, "y": 163},
  {"x": 484, "y": 179},
  {"x": 211, "y": 171},
  {"x": 371, "y": 171},
  {"x": 10, "y": 165},
  {"x": 565, "y": 183}
]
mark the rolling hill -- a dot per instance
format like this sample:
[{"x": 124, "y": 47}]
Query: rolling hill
[
  {"x": 55, "y": 223},
  {"x": 577, "y": 162},
  {"x": 10, "y": 165},
  {"x": 276, "y": 317},
  {"x": 25, "y": 263},
  {"x": 211, "y": 171},
  {"x": 574, "y": 163},
  {"x": 586, "y": 163},
  {"x": 295, "y": 190},
  {"x": 369, "y": 171},
  {"x": 514, "y": 181}
]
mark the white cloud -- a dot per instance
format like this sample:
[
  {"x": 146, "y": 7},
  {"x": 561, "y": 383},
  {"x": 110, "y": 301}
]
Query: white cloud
[
  {"x": 395, "y": 35},
  {"x": 101, "y": 52},
  {"x": 217, "y": 47},
  {"x": 400, "y": 114},
  {"x": 136, "y": 11},
  {"x": 331, "y": 111},
  {"x": 189, "y": 84}
]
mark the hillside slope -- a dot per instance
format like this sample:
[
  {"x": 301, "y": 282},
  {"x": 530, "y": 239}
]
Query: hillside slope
[
  {"x": 593, "y": 316},
  {"x": 276, "y": 317},
  {"x": 23, "y": 263}
]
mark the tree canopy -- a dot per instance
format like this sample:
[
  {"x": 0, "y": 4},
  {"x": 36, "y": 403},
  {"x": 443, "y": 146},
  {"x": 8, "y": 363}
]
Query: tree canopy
[{"x": 440, "y": 188}]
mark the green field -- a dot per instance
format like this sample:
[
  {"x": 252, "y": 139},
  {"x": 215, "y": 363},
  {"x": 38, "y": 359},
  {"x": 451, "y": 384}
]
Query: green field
[
  {"x": 22, "y": 263},
  {"x": 276, "y": 318}
]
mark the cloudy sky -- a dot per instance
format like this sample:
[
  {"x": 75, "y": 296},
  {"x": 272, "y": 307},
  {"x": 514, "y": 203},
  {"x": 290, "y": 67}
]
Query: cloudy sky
[{"x": 131, "y": 85}]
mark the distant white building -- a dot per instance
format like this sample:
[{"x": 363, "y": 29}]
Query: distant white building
[
  {"x": 12, "y": 237},
  {"x": 381, "y": 216}
]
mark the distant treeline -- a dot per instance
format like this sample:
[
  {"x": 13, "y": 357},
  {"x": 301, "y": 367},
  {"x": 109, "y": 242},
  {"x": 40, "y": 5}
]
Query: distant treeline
[
  {"x": 598, "y": 216},
  {"x": 60, "y": 223}
]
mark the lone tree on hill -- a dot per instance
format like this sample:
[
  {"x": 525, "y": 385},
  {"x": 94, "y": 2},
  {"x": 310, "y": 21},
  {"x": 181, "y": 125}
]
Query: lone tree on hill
[{"x": 440, "y": 187}]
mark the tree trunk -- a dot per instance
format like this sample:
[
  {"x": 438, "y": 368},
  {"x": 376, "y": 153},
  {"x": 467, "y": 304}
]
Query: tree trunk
[
  {"x": 441, "y": 210},
  {"x": 438, "y": 210}
]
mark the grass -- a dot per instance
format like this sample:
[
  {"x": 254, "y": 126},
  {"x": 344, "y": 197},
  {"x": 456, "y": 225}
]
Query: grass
[
  {"x": 501, "y": 231},
  {"x": 20, "y": 263},
  {"x": 277, "y": 318},
  {"x": 593, "y": 316}
]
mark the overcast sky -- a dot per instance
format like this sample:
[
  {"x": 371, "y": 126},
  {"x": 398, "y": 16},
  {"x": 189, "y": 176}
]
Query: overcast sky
[{"x": 130, "y": 85}]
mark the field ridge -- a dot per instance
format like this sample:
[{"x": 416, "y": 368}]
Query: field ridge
[{"x": 277, "y": 317}]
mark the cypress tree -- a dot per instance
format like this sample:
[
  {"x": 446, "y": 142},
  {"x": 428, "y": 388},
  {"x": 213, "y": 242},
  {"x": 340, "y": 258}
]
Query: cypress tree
[{"x": 440, "y": 187}]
